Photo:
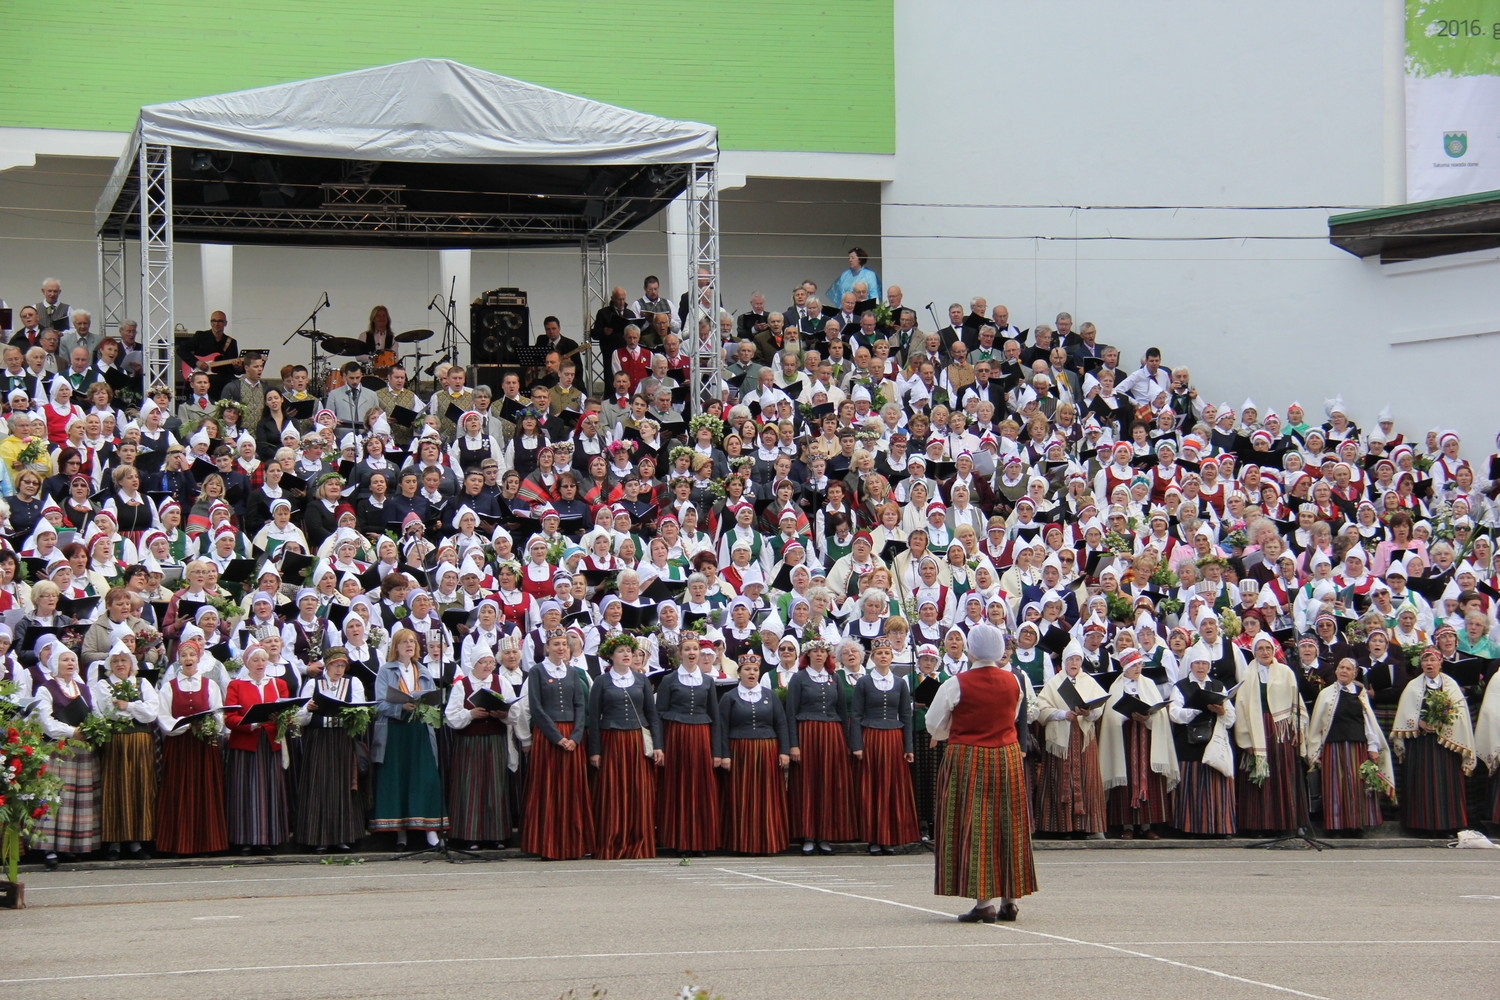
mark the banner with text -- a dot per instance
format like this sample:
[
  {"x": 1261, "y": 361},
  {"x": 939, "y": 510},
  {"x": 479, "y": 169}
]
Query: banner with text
[{"x": 1452, "y": 98}]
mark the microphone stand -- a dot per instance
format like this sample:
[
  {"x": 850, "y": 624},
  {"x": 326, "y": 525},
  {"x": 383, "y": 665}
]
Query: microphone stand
[
  {"x": 1300, "y": 837},
  {"x": 316, "y": 385}
]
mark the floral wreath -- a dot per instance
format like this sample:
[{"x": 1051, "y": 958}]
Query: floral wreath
[
  {"x": 713, "y": 423},
  {"x": 623, "y": 445},
  {"x": 623, "y": 640},
  {"x": 681, "y": 451}
]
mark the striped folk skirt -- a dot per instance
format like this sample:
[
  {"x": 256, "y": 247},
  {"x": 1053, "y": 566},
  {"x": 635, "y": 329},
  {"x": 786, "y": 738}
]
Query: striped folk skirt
[
  {"x": 1347, "y": 803},
  {"x": 755, "y": 814},
  {"x": 1432, "y": 786},
  {"x": 478, "y": 801},
  {"x": 820, "y": 791},
  {"x": 330, "y": 806},
  {"x": 887, "y": 806},
  {"x": 190, "y": 806},
  {"x": 924, "y": 768},
  {"x": 687, "y": 800},
  {"x": 408, "y": 795},
  {"x": 255, "y": 796},
  {"x": 128, "y": 774},
  {"x": 1281, "y": 802},
  {"x": 624, "y": 797},
  {"x": 1144, "y": 798},
  {"x": 1203, "y": 802},
  {"x": 982, "y": 838},
  {"x": 559, "y": 820},
  {"x": 72, "y": 825},
  {"x": 1069, "y": 790}
]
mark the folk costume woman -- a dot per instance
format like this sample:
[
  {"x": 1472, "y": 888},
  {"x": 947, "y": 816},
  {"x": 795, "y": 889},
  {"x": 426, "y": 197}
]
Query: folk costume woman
[
  {"x": 128, "y": 761},
  {"x": 1070, "y": 790},
  {"x": 408, "y": 793},
  {"x": 190, "y": 804},
  {"x": 688, "y": 806},
  {"x": 330, "y": 802},
  {"x": 255, "y": 796},
  {"x": 880, "y": 736},
  {"x": 821, "y": 786},
  {"x": 1203, "y": 802},
  {"x": 624, "y": 740},
  {"x": 558, "y": 822},
  {"x": 1271, "y": 733},
  {"x": 1137, "y": 758},
  {"x": 1342, "y": 737},
  {"x": 753, "y": 746},
  {"x": 1434, "y": 740},
  {"x": 479, "y": 768},
  {"x": 71, "y": 826}
]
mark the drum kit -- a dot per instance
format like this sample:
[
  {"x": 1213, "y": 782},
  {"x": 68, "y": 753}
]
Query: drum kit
[{"x": 326, "y": 373}]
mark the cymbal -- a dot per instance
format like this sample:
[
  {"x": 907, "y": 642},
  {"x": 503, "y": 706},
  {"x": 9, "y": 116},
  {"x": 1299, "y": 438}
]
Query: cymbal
[
  {"x": 413, "y": 336},
  {"x": 312, "y": 334},
  {"x": 344, "y": 345}
]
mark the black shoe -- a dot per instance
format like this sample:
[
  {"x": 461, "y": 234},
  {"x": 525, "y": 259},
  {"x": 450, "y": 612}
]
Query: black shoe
[
  {"x": 1008, "y": 912},
  {"x": 888, "y": 851},
  {"x": 343, "y": 848},
  {"x": 978, "y": 915},
  {"x": 50, "y": 861},
  {"x": 825, "y": 847},
  {"x": 114, "y": 854},
  {"x": 141, "y": 854},
  {"x": 808, "y": 848},
  {"x": 875, "y": 850},
  {"x": 245, "y": 850},
  {"x": 320, "y": 849}
]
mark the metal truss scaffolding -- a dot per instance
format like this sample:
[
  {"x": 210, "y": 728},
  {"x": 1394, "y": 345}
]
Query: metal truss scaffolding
[
  {"x": 594, "y": 256},
  {"x": 156, "y": 264},
  {"x": 705, "y": 352}
]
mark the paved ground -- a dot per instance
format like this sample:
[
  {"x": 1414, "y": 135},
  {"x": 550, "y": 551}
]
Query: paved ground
[{"x": 1221, "y": 923}]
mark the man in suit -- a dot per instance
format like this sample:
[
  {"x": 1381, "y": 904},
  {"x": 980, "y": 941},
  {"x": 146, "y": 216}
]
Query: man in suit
[
  {"x": 199, "y": 404},
  {"x": 351, "y": 401},
  {"x": 609, "y": 329},
  {"x": 1087, "y": 348},
  {"x": 756, "y": 321},
  {"x": 81, "y": 335},
  {"x": 798, "y": 314},
  {"x": 250, "y": 391},
  {"x": 30, "y": 333},
  {"x": 954, "y": 331},
  {"x": 1000, "y": 319},
  {"x": 976, "y": 318},
  {"x": 52, "y": 310},
  {"x": 552, "y": 339},
  {"x": 769, "y": 341}
]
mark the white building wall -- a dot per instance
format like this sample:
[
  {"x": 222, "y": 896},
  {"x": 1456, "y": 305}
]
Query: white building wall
[{"x": 1239, "y": 109}]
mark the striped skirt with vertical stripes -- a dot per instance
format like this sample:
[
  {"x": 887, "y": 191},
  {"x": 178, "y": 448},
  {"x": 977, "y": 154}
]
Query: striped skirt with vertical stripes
[
  {"x": 127, "y": 810},
  {"x": 1347, "y": 803},
  {"x": 1280, "y": 803},
  {"x": 624, "y": 797},
  {"x": 687, "y": 799},
  {"x": 330, "y": 807},
  {"x": 821, "y": 789},
  {"x": 559, "y": 820},
  {"x": 1203, "y": 802},
  {"x": 1432, "y": 786},
  {"x": 255, "y": 796},
  {"x": 1069, "y": 790},
  {"x": 755, "y": 812},
  {"x": 1144, "y": 798},
  {"x": 190, "y": 805},
  {"x": 983, "y": 824},
  {"x": 924, "y": 768},
  {"x": 478, "y": 805}
]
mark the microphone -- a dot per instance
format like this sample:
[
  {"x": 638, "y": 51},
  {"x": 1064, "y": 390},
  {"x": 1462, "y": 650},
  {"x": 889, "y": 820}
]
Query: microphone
[{"x": 325, "y": 300}]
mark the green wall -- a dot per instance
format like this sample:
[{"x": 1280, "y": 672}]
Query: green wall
[{"x": 771, "y": 74}]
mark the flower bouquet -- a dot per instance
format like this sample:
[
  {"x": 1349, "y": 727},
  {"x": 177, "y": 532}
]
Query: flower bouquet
[
  {"x": 1163, "y": 576},
  {"x": 227, "y": 609},
  {"x": 33, "y": 453},
  {"x": 97, "y": 730},
  {"x": 1413, "y": 653},
  {"x": 1119, "y": 608},
  {"x": 1117, "y": 543},
  {"x": 207, "y": 729},
  {"x": 1230, "y": 624},
  {"x": 125, "y": 690},
  {"x": 1438, "y": 711},
  {"x": 1370, "y": 774}
]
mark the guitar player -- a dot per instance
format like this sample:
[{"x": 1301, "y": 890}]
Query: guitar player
[{"x": 214, "y": 351}]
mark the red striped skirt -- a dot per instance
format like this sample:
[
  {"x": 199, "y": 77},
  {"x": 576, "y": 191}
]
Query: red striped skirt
[
  {"x": 888, "y": 807},
  {"x": 1280, "y": 803},
  {"x": 1203, "y": 801},
  {"x": 478, "y": 807},
  {"x": 559, "y": 822},
  {"x": 190, "y": 806},
  {"x": 821, "y": 789},
  {"x": 624, "y": 797},
  {"x": 1432, "y": 786},
  {"x": 1347, "y": 803},
  {"x": 687, "y": 803},
  {"x": 1144, "y": 798},
  {"x": 755, "y": 816},
  {"x": 255, "y": 799},
  {"x": 982, "y": 836},
  {"x": 1069, "y": 790}
]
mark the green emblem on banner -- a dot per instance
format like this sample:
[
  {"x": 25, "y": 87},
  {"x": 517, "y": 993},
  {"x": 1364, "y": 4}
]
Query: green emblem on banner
[{"x": 1455, "y": 144}]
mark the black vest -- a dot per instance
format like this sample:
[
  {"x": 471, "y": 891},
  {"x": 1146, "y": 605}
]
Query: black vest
[{"x": 1348, "y": 724}]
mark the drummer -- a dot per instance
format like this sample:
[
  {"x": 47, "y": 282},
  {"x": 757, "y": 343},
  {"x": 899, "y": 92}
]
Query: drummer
[{"x": 378, "y": 336}]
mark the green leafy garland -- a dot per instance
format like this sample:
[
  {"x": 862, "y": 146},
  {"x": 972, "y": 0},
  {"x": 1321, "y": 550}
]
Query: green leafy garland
[{"x": 356, "y": 720}]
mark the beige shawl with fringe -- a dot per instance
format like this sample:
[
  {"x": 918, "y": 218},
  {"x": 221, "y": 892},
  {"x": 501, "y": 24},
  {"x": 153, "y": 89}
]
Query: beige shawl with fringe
[{"x": 1112, "y": 737}]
